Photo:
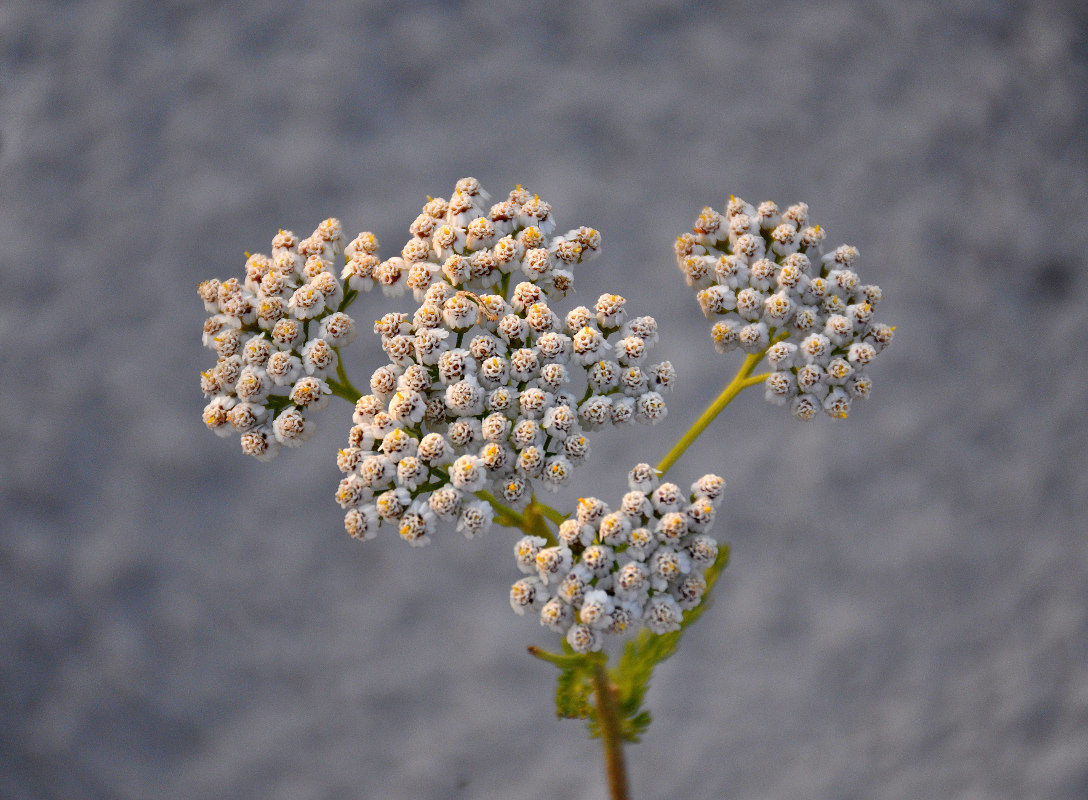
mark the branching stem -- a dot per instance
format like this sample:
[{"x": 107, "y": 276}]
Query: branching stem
[
  {"x": 549, "y": 512},
  {"x": 505, "y": 516},
  {"x": 741, "y": 380},
  {"x": 342, "y": 386}
]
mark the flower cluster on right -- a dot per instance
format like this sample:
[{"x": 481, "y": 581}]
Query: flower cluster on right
[
  {"x": 761, "y": 275},
  {"x": 613, "y": 571}
]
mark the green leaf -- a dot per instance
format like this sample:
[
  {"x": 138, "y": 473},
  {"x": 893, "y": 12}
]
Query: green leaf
[
  {"x": 575, "y": 683},
  {"x": 640, "y": 656},
  {"x": 566, "y": 660},
  {"x": 572, "y": 695},
  {"x": 636, "y": 726}
]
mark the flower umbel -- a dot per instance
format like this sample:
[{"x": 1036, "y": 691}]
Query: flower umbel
[
  {"x": 478, "y": 392},
  {"x": 277, "y": 337},
  {"x": 615, "y": 571},
  {"x": 761, "y": 276}
]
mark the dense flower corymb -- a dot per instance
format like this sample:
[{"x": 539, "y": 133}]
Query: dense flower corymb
[
  {"x": 613, "y": 571},
  {"x": 277, "y": 337},
  {"x": 760, "y": 274},
  {"x": 487, "y": 386}
]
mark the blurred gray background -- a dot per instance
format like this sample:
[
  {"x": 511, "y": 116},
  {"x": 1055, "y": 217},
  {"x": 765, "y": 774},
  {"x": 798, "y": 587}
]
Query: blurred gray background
[{"x": 906, "y": 612}]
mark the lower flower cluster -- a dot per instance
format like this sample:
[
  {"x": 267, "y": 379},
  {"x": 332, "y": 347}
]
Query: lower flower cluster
[{"x": 612, "y": 571}]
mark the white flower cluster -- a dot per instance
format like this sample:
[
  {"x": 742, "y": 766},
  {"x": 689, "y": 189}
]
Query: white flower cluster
[
  {"x": 612, "y": 571},
  {"x": 472, "y": 245},
  {"x": 277, "y": 337},
  {"x": 761, "y": 275},
  {"x": 477, "y": 392}
]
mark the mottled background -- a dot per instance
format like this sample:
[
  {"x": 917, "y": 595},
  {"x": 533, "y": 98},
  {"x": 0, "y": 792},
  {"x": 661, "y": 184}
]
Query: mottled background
[{"x": 906, "y": 613}]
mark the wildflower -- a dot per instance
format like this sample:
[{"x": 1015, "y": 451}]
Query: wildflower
[
  {"x": 583, "y": 639},
  {"x": 416, "y": 525},
  {"x": 475, "y": 395},
  {"x": 446, "y": 502},
  {"x": 552, "y": 562},
  {"x": 526, "y": 593},
  {"x": 635, "y": 506},
  {"x": 263, "y": 323},
  {"x": 259, "y": 443},
  {"x": 556, "y": 615},
  {"x": 608, "y": 577},
  {"x": 362, "y": 523},
  {"x": 468, "y": 473},
  {"x": 771, "y": 289},
  {"x": 596, "y": 610},
  {"x": 663, "y": 614},
  {"x": 291, "y": 427},
  {"x": 310, "y": 393}
]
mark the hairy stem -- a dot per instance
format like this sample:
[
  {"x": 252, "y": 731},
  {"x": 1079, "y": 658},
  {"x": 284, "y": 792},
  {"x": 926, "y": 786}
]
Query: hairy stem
[
  {"x": 345, "y": 392},
  {"x": 535, "y": 521}
]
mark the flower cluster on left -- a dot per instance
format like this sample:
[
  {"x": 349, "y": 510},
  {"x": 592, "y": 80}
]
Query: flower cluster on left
[{"x": 277, "y": 336}]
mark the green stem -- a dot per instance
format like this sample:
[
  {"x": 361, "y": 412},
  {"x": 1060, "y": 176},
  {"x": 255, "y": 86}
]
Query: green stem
[
  {"x": 548, "y": 512},
  {"x": 741, "y": 380},
  {"x": 611, "y": 738},
  {"x": 343, "y": 382},
  {"x": 505, "y": 516},
  {"x": 535, "y": 521},
  {"x": 349, "y": 298},
  {"x": 340, "y": 390}
]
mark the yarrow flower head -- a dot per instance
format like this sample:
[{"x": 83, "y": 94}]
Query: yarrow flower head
[
  {"x": 761, "y": 275},
  {"x": 491, "y": 391},
  {"x": 277, "y": 336},
  {"x": 480, "y": 390},
  {"x": 612, "y": 572}
]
